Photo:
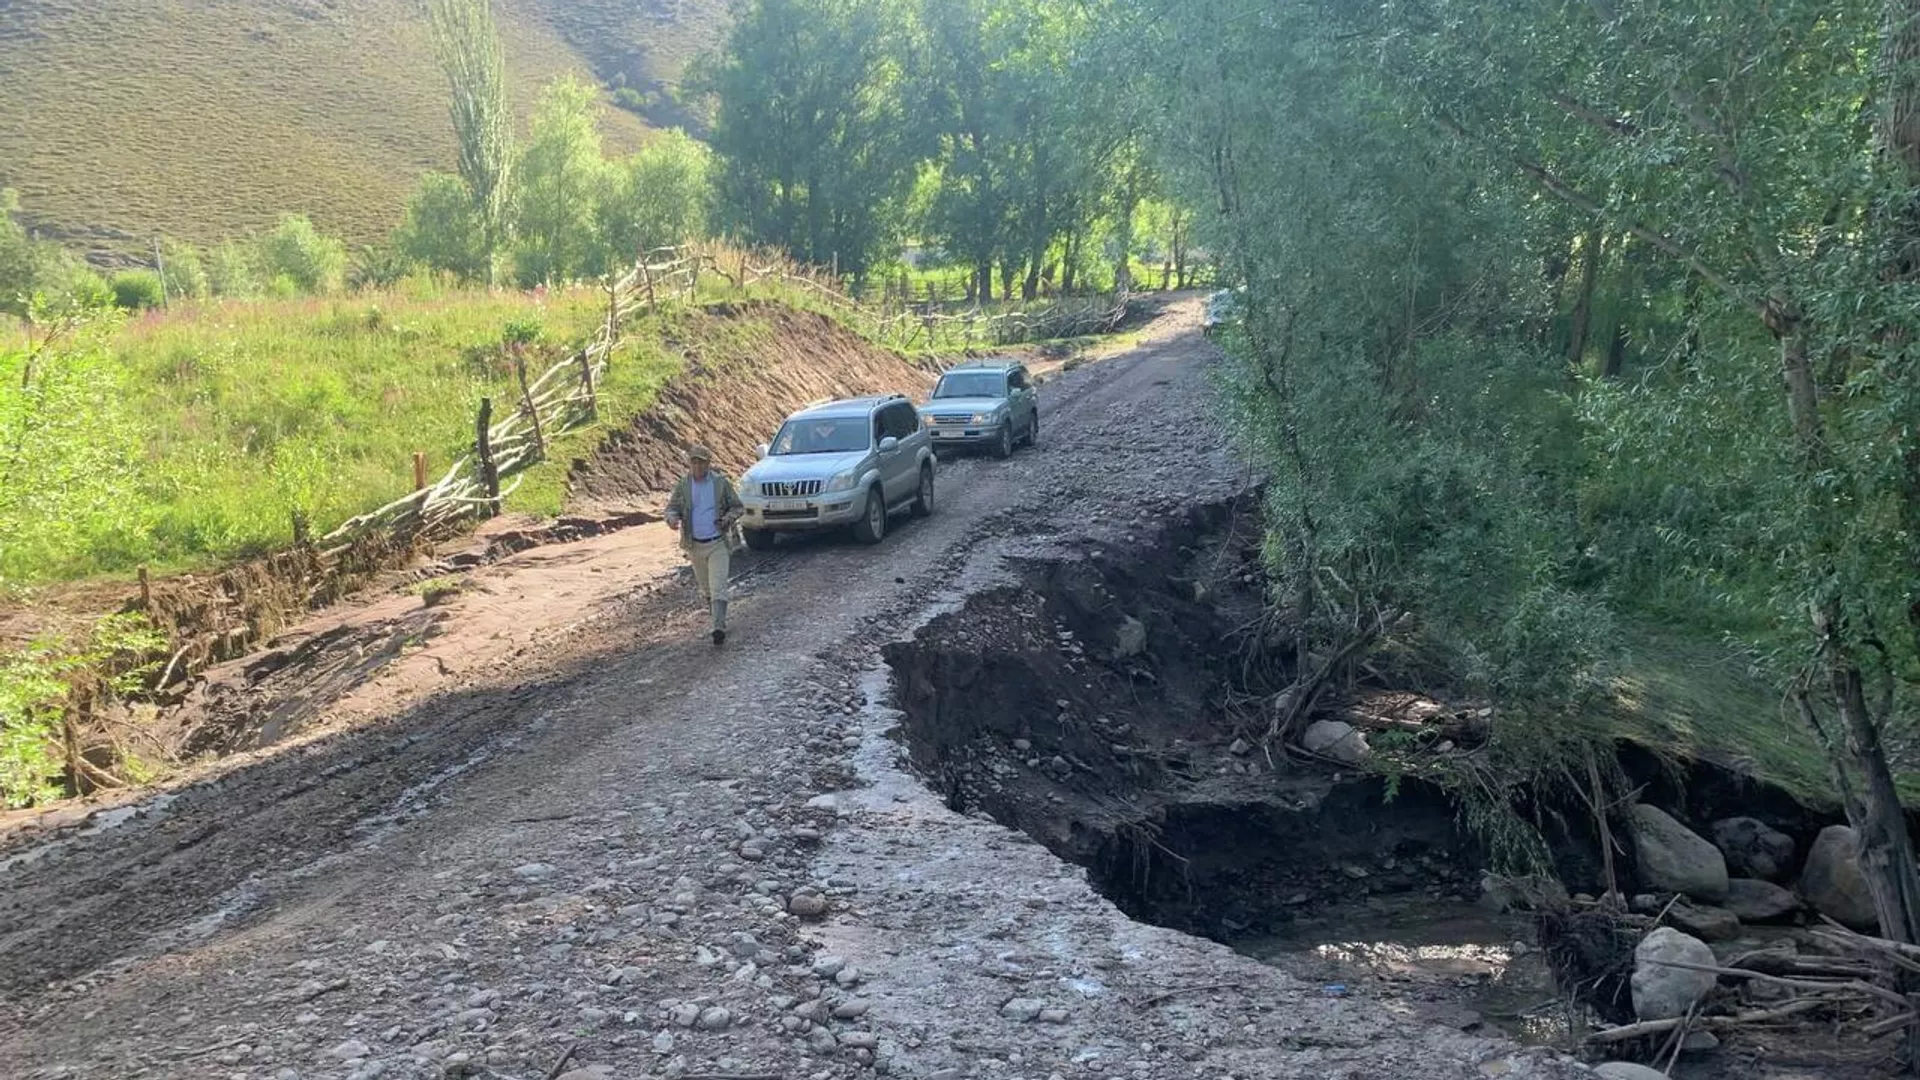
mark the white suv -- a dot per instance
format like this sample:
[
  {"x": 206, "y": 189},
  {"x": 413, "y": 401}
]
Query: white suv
[{"x": 841, "y": 464}]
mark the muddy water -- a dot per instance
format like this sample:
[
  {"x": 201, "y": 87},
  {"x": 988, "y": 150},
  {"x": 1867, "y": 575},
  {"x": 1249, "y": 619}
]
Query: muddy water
[{"x": 1444, "y": 962}]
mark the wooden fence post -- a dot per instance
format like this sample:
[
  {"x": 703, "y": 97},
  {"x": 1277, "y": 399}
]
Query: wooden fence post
[
  {"x": 301, "y": 537},
  {"x": 146, "y": 591},
  {"x": 483, "y": 449},
  {"x": 646, "y": 274},
  {"x": 586, "y": 375},
  {"x": 526, "y": 402}
]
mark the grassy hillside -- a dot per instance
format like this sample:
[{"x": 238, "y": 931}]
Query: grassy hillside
[{"x": 124, "y": 119}]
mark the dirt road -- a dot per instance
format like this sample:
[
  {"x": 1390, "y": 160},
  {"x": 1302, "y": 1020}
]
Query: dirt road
[{"x": 567, "y": 826}]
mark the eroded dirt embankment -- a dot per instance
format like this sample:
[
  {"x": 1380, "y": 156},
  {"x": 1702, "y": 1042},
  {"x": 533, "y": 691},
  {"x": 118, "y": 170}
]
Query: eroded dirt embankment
[
  {"x": 1115, "y": 703},
  {"x": 1110, "y": 707},
  {"x": 747, "y": 367}
]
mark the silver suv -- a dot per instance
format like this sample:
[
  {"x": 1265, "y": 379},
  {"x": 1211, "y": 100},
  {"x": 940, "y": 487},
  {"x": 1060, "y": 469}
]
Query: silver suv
[
  {"x": 988, "y": 403},
  {"x": 840, "y": 464}
]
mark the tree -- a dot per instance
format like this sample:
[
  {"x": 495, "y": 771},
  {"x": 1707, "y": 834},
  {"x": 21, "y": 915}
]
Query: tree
[
  {"x": 301, "y": 253},
  {"x": 659, "y": 196},
  {"x": 1420, "y": 197},
  {"x": 812, "y": 126},
  {"x": 560, "y": 178},
  {"x": 442, "y": 229},
  {"x": 468, "y": 47}
]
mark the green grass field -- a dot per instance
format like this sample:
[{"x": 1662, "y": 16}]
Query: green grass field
[
  {"x": 122, "y": 120},
  {"x": 244, "y": 412}
]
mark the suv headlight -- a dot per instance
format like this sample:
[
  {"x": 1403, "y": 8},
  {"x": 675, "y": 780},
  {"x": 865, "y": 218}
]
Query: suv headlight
[
  {"x": 985, "y": 417},
  {"x": 843, "y": 482}
]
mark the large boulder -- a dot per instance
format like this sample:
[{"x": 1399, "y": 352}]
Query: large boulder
[
  {"x": 1672, "y": 858},
  {"x": 1661, "y": 991},
  {"x": 1337, "y": 740},
  {"x": 1754, "y": 849},
  {"x": 1756, "y": 901},
  {"x": 1832, "y": 881}
]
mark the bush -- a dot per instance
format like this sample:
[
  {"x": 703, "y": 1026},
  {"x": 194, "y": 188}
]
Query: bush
[
  {"x": 183, "y": 272},
  {"x": 631, "y": 100},
  {"x": 379, "y": 266},
  {"x": 299, "y": 252},
  {"x": 441, "y": 230},
  {"x": 137, "y": 290},
  {"x": 231, "y": 271}
]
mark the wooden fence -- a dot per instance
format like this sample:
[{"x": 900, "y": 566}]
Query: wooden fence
[{"x": 512, "y": 435}]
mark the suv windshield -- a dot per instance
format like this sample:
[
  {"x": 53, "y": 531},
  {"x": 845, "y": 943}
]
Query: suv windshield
[
  {"x": 962, "y": 384},
  {"x": 823, "y": 435}
]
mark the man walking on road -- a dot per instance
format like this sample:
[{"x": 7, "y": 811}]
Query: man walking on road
[{"x": 703, "y": 509}]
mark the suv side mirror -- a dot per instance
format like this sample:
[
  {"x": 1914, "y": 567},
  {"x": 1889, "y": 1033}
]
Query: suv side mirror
[
  {"x": 763, "y": 450},
  {"x": 889, "y": 444}
]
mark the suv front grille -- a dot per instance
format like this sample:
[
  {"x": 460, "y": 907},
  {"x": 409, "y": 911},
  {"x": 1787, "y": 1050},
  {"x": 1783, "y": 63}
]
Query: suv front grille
[
  {"x": 791, "y": 489},
  {"x": 952, "y": 419}
]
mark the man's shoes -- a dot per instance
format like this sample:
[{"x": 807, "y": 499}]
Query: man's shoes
[{"x": 719, "y": 637}]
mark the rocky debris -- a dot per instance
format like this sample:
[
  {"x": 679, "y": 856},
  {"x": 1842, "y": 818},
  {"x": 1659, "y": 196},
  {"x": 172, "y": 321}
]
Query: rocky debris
[
  {"x": 1130, "y": 639},
  {"x": 808, "y": 903},
  {"x": 1627, "y": 1070},
  {"x": 1756, "y": 901},
  {"x": 1754, "y": 849},
  {"x": 1672, "y": 858},
  {"x": 1705, "y": 922},
  {"x": 1338, "y": 741},
  {"x": 1833, "y": 883},
  {"x": 1023, "y": 1010},
  {"x": 1660, "y": 991}
]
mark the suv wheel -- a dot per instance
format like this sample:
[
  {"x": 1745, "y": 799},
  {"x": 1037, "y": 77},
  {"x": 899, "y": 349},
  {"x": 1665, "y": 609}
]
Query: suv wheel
[
  {"x": 759, "y": 539},
  {"x": 923, "y": 499},
  {"x": 1003, "y": 447},
  {"x": 1033, "y": 429},
  {"x": 872, "y": 526}
]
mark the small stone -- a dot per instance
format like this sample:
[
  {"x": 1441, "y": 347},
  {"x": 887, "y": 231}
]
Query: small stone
[
  {"x": 685, "y": 1015},
  {"x": 1700, "y": 1042},
  {"x": 807, "y": 903},
  {"x": 829, "y": 803},
  {"x": 828, "y": 965},
  {"x": 859, "y": 1040},
  {"x": 1705, "y": 923},
  {"x": 533, "y": 871},
  {"x": 1053, "y": 1016},
  {"x": 351, "y": 1050},
  {"x": 1335, "y": 739},
  {"x": 663, "y": 1043},
  {"x": 1240, "y": 748},
  {"x": 1023, "y": 745},
  {"x": 851, "y": 1010},
  {"x": 849, "y": 976},
  {"x": 1024, "y": 1010},
  {"x": 1627, "y": 1070},
  {"x": 592, "y": 1015},
  {"x": 715, "y": 1018}
]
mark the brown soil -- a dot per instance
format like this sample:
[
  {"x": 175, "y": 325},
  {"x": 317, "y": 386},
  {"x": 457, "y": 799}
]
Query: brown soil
[{"x": 734, "y": 392}]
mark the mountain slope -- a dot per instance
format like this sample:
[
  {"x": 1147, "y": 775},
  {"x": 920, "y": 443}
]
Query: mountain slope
[{"x": 121, "y": 120}]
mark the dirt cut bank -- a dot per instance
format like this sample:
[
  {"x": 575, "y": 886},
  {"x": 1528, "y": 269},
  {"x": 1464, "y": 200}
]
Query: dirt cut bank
[
  {"x": 1110, "y": 707},
  {"x": 1114, "y": 703},
  {"x": 747, "y": 367}
]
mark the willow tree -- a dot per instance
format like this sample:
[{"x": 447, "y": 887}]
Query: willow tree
[{"x": 467, "y": 44}]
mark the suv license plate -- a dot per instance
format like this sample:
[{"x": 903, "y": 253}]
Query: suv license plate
[{"x": 787, "y": 506}]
